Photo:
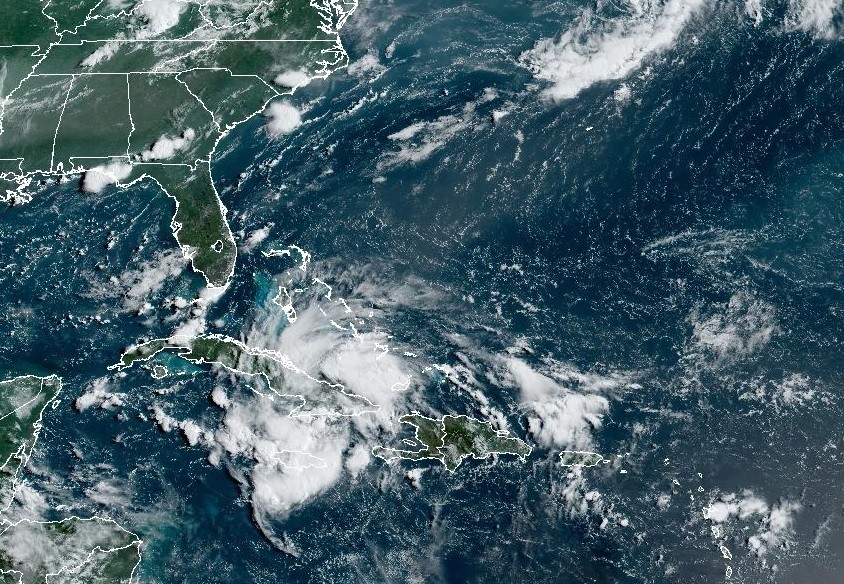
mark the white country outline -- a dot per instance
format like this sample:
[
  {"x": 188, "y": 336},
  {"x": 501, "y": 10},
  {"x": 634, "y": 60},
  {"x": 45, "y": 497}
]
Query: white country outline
[
  {"x": 59, "y": 124},
  {"x": 88, "y": 18},
  {"x": 198, "y": 100},
  {"x": 182, "y": 344},
  {"x": 396, "y": 453},
  {"x": 284, "y": 300},
  {"x": 138, "y": 543},
  {"x": 326, "y": 9},
  {"x": 131, "y": 119},
  {"x": 307, "y": 457},
  {"x": 598, "y": 458},
  {"x": 22, "y": 454},
  {"x": 174, "y": 40},
  {"x": 304, "y": 258}
]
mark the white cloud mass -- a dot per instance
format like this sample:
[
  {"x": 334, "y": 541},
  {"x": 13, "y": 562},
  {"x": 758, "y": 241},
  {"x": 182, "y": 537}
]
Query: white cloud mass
[
  {"x": 595, "y": 49},
  {"x": 99, "y": 177},
  {"x": 282, "y": 118},
  {"x": 167, "y": 146},
  {"x": 293, "y": 79},
  {"x": 558, "y": 416}
]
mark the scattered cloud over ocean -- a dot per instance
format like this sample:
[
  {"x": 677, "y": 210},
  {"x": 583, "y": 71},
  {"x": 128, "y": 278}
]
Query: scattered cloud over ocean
[
  {"x": 419, "y": 140},
  {"x": 596, "y": 48},
  {"x": 564, "y": 407},
  {"x": 368, "y": 64},
  {"x": 774, "y": 524},
  {"x": 732, "y": 330},
  {"x": 99, "y": 393},
  {"x": 140, "y": 284}
]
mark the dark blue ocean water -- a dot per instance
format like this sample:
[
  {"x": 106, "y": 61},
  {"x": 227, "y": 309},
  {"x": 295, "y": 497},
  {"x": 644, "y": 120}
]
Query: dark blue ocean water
[{"x": 704, "y": 209}]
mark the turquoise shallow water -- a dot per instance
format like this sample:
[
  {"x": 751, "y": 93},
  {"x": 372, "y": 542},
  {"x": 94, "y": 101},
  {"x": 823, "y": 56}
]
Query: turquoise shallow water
[{"x": 687, "y": 236}]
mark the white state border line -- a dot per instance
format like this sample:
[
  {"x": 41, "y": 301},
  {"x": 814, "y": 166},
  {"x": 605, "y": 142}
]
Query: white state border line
[
  {"x": 211, "y": 40},
  {"x": 333, "y": 15},
  {"x": 174, "y": 74},
  {"x": 59, "y": 123},
  {"x": 162, "y": 72}
]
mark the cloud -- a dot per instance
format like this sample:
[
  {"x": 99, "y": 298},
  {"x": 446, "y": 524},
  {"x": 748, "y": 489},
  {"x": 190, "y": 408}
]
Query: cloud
[
  {"x": 774, "y": 523},
  {"x": 369, "y": 63},
  {"x": 596, "y": 49},
  {"x": 159, "y": 15},
  {"x": 32, "y": 548},
  {"x": 753, "y": 9},
  {"x": 731, "y": 506},
  {"x": 99, "y": 393},
  {"x": 793, "y": 392},
  {"x": 28, "y": 503},
  {"x": 191, "y": 431},
  {"x": 282, "y": 118},
  {"x": 419, "y": 140},
  {"x": 167, "y": 147},
  {"x": 220, "y": 398},
  {"x": 255, "y": 238},
  {"x": 149, "y": 277},
  {"x": 358, "y": 458},
  {"x": 777, "y": 526},
  {"x": 99, "y": 177},
  {"x": 100, "y": 54},
  {"x": 414, "y": 477},
  {"x": 738, "y": 328},
  {"x": 293, "y": 458},
  {"x": 821, "y": 17},
  {"x": 292, "y": 79},
  {"x": 111, "y": 493},
  {"x": 282, "y": 457},
  {"x": 563, "y": 408},
  {"x": 331, "y": 339}
]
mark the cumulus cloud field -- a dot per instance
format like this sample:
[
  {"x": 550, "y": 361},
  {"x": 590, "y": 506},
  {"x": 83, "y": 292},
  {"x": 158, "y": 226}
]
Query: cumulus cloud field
[{"x": 595, "y": 49}]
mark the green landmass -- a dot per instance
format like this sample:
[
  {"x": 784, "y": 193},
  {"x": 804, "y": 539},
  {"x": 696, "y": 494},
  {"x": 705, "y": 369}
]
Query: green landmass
[
  {"x": 90, "y": 551},
  {"x": 87, "y": 83},
  {"x": 454, "y": 438},
  {"x": 22, "y": 402},
  {"x": 312, "y": 396},
  {"x": 580, "y": 458}
]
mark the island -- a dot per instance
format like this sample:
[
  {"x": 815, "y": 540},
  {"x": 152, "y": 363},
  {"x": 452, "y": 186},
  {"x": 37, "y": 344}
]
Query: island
[
  {"x": 451, "y": 439},
  {"x": 312, "y": 396},
  {"x": 581, "y": 458}
]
